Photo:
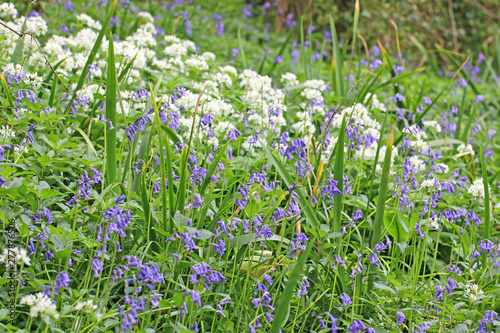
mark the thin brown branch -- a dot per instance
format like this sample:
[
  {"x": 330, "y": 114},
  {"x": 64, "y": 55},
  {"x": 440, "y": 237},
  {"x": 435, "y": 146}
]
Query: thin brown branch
[
  {"x": 14, "y": 127},
  {"x": 33, "y": 38}
]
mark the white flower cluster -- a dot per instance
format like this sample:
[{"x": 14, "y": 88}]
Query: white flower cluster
[
  {"x": 40, "y": 304},
  {"x": 477, "y": 188},
  {"x": 472, "y": 292},
  {"x": 18, "y": 254},
  {"x": 430, "y": 183},
  {"x": 418, "y": 142},
  {"x": 376, "y": 104},
  {"x": 89, "y": 21},
  {"x": 289, "y": 79},
  {"x": 87, "y": 306},
  {"x": 34, "y": 24},
  {"x": 262, "y": 97},
  {"x": 432, "y": 124},
  {"x": 6, "y": 132},
  {"x": 466, "y": 149},
  {"x": 8, "y": 11},
  {"x": 313, "y": 89}
]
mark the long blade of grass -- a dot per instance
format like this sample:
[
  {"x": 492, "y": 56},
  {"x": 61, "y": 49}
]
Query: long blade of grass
[
  {"x": 6, "y": 90},
  {"x": 291, "y": 284},
  {"x": 338, "y": 176},
  {"x": 184, "y": 158},
  {"x": 87, "y": 139},
  {"x": 111, "y": 116},
  {"x": 242, "y": 51},
  {"x": 336, "y": 61},
  {"x": 92, "y": 55},
  {"x": 18, "y": 50},
  {"x": 146, "y": 138},
  {"x": 164, "y": 152},
  {"x": 148, "y": 215},
  {"x": 355, "y": 28},
  {"x": 125, "y": 71},
  {"x": 487, "y": 214},
  {"x": 378, "y": 222},
  {"x": 212, "y": 168},
  {"x": 181, "y": 192}
]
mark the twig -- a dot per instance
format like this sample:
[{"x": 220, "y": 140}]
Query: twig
[
  {"x": 13, "y": 126},
  {"x": 33, "y": 38}
]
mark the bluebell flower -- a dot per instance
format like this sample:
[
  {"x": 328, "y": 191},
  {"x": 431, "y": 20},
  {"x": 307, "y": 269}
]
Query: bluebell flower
[
  {"x": 2, "y": 181},
  {"x": 423, "y": 327},
  {"x": 63, "y": 281},
  {"x": 345, "y": 299},
  {"x": 439, "y": 292},
  {"x": 401, "y": 318},
  {"x": 220, "y": 28}
]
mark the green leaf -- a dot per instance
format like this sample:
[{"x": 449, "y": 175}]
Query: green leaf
[
  {"x": 338, "y": 176},
  {"x": 291, "y": 284},
  {"x": 337, "y": 64},
  {"x": 7, "y": 92},
  {"x": 382, "y": 193},
  {"x": 16, "y": 55},
  {"x": 487, "y": 215},
  {"x": 213, "y": 167},
  {"x": 111, "y": 116}
]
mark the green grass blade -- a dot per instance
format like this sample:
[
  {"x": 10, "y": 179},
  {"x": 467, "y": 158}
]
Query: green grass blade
[
  {"x": 171, "y": 134},
  {"x": 148, "y": 215},
  {"x": 184, "y": 158},
  {"x": 6, "y": 90},
  {"x": 16, "y": 55},
  {"x": 302, "y": 50},
  {"x": 355, "y": 28},
  {"x": 291, "y": 284},
  {"x": 487, "y": 214},
  {"x": 242, "y": 51},
  {"x": 93, "y": 54},
  {"x": 183, "y": 179},
  {"x": 87, "y": 139},
  {"x": 111, "y": 116},
  {"x": 212, "y": 168},
  {"x": 336, "y": 61},
  {"x": 338, "y": 176},
  {"x": 167, "y": 222},
  {"x": 146, "y": 138},
  {"x": 369, "y": 88},
  {"x": 125, "y": 71},
  {"x": 378, "y": 223}
]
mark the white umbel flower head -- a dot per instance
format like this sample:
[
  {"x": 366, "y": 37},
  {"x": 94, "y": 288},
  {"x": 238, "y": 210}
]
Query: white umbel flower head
[
  {"x": 463, "y": 149},
  {"x": 86, "y": 306},
  {"x": 477, "y": 188},
  {"x": 40, "y": 304},
  {"x": 8, "y": 11},
  {"x": 473, "y": 292},
  {"x": 19, "y": 254},
  {"x": 89, "y": 21},
  {"x": 289, "y": 79}
]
